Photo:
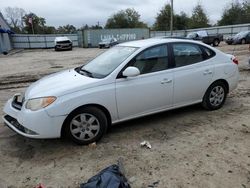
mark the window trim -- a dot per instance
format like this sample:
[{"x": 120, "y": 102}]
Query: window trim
[
  {"x": 169, "y": 65},
  {"x": 201, "y": 47}
]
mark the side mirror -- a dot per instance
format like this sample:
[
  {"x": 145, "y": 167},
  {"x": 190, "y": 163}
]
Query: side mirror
[{"x": 131, "y": 72}]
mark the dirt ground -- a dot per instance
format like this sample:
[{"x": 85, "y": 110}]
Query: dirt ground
[{"x": 191, "y": 147}]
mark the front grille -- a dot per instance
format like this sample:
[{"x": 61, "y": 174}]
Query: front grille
[{"x": 63, "y": 42}]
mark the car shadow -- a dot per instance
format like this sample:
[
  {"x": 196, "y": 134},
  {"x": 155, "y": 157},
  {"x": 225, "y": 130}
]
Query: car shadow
[
  {"x": 171, "y": 114},
  {"x": 160, "y": 126}
]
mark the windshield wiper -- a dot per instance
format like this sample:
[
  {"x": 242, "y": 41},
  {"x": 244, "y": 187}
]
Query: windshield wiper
[{"x": 83, "y": 71}]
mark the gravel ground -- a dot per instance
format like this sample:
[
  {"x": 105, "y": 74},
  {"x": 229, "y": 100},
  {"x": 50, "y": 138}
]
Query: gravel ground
[{"x": 191, "y": 147}]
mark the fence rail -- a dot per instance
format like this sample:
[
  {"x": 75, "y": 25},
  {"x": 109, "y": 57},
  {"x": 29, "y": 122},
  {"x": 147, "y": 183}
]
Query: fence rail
[
  {"x": 91, "y": 38},
  {"x": 225, "y": 30},
  {"x": 39, "y": 41}
]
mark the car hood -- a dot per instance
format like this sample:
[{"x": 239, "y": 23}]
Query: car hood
[
  {"x": 103, "y": 42},
  {"x": 59, "y": 84}
]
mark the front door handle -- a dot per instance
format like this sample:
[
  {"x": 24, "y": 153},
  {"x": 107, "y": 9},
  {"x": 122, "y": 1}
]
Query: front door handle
[
  {"x": 207, "y": 72},
  {"x": 166, "y": 80}
]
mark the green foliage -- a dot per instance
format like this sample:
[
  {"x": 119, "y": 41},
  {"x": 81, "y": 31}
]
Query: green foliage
[
  {"x": 236, "y": 13},
  {"x": 90, "y": 27},
  {"x": 199, "y": 18},
  {"x": 162, "y": 22},
  {"x": 67, "y": 29},
  {"x": 181, "y": 21},
  {"x": 128, "y": 18},
  {"x": 37, "y": 22}
]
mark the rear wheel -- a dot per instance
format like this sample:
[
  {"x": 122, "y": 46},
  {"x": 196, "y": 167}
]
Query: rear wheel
[
  {"x": 243, "y": 41},
  {"x": 216, "y": 42},
  {"x": 215, "y": 96},
  {"x": 86, "y": 125}
]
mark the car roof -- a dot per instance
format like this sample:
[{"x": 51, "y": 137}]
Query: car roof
[{"x": 154, "y": 41}]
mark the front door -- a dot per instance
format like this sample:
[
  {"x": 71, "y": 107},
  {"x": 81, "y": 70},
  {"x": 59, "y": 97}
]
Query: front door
[{"x": 152, "y": 90}]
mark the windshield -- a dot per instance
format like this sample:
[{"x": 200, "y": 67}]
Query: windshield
[
  {"x": 241, "y": 34},
  {"x": 191, "y": 35},
  {"x": 106, "y": 40},
  {"x": 108, "y": 61}
]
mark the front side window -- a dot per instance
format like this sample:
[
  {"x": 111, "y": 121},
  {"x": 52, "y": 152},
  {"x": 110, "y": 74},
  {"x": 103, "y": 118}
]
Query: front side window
[
  {"x": 186, "y": 54},
  {"x": 107, "y": 62},
  {"x": 151, "y": 60}
]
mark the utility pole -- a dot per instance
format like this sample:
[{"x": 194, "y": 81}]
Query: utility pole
[{"x": 172, "y": 17}]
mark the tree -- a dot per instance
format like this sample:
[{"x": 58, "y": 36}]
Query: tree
[
  {"x": 69, "y": 29},
  {"x": 32, "y": 21},
  {"x": 162, "y": 22},
  {"x": 128, "y": 18},
  {"x": 246, "y": 9},
  {"x": 49, "y": 30},
  {"x": 14, "y": 18},
  {"x": 181, "y": 21},
  {"x": 236, "y": 13},
  {"x": 96, "y": 27},
  {"x": 199, "y": 18}
]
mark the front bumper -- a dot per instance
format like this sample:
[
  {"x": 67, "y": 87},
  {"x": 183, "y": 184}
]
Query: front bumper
[
  {"x": 63, "y": 46},
  {"x": 104, "y": 45},
  {"x": 32, "y": 124}
]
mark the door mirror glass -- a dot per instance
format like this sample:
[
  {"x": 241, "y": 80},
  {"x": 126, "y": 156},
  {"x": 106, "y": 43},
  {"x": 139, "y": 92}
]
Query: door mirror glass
[{"x": 131, "y": 72}]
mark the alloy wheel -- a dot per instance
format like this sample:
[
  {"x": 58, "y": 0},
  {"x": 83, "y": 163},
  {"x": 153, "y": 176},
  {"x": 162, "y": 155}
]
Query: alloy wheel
[
  {"x": 84, "y": 127},
  {"x": 217, "y": 96}
]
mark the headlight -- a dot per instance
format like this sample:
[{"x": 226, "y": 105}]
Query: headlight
[{"x": 39, "y": 103}]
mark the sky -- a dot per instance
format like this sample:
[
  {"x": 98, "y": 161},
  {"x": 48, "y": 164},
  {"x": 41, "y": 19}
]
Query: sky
[{"x": 81, "y": 12}]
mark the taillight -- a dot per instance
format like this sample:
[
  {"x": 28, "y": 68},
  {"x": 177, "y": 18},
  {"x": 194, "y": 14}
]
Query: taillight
[{"x": 235, "y": 60}]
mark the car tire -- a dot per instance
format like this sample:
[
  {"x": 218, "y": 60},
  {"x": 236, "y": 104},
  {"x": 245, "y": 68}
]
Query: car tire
[
  {"x": 215, "y": 96},
  {"x": 56, "y": 48},
  {"x": 216, "y": 42},
  {"x": 243, "y": 41},
  {"x": 86, "y": 125}
]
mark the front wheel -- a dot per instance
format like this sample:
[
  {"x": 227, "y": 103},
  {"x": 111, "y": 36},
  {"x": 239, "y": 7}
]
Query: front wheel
[
  {"x": 215, "y": 96},
  {"x": 86, "y": 125}
]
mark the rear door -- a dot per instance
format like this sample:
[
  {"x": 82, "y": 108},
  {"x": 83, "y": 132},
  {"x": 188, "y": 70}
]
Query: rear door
[{"x": 192, "y": 73}]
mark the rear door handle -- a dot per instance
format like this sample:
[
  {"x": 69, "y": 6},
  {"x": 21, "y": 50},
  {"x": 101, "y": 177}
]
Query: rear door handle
[
  {"x": 207, "y": 72},
  {"x": 166, "y": 80}
]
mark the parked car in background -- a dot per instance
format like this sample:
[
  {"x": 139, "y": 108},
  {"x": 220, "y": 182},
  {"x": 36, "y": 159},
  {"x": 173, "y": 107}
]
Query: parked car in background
[
  {"x": 63, "y": 43},
  {"x": 240, "y": 38},
  {"x": 107, "y": 43},
  {"x": 128, "y": 81},
  {"x": 204, "y": 37}
]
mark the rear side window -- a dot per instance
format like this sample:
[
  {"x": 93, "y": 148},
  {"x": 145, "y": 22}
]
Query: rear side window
[
  {"x": 187, "y": 54},
  {"x": 152, "y": 60},
  {"x": 208, "y": 52}
]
